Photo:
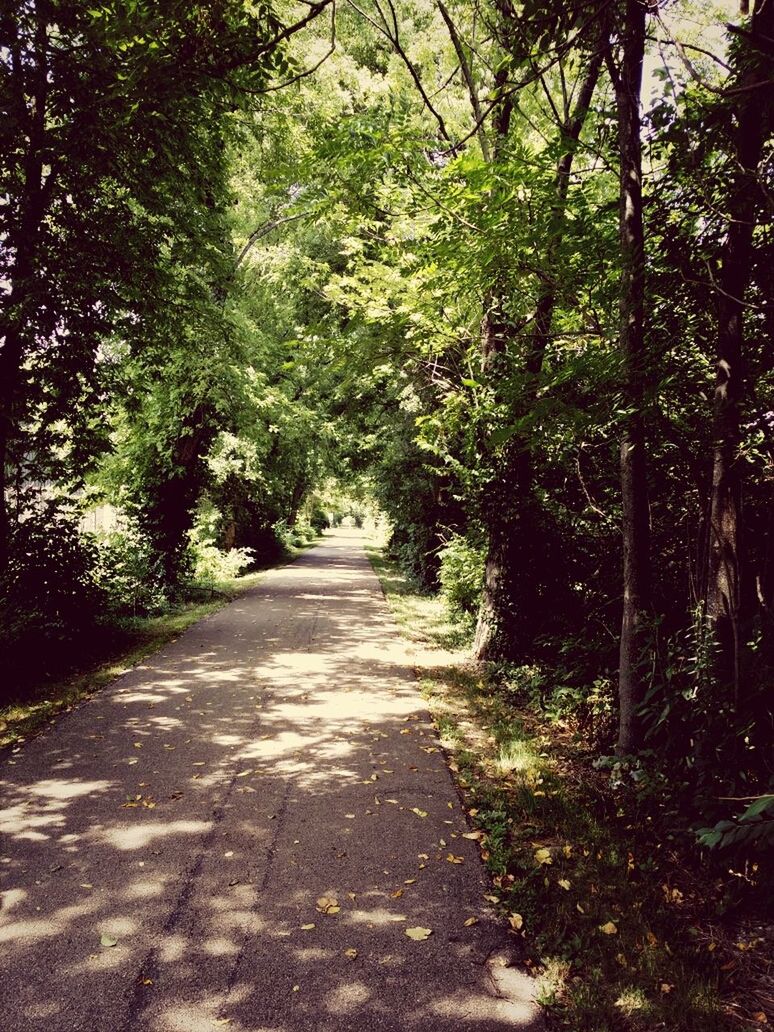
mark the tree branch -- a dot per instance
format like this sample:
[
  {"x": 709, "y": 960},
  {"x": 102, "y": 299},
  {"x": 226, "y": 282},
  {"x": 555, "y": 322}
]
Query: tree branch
[
  {"x": 468, "y": 76},
  {"x": 398, "y": 47},
  {"x": 264, "y": 229}
]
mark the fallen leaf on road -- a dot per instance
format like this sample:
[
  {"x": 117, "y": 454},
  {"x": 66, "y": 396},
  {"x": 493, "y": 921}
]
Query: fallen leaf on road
[
  {"x": 452, "y": 859},
  {"x": 308, "y": 927},
  {"x": 108, "y": 940},
  {"x": 516, "y": 921},
  {"x": 328, "y": 905},
  {"x": 492, "y": 899},
  {"x": 409, "y": 881},
  {"x": 470, "y": 921},
  {"x": 543, "y": 856},
  {"x": 397, "y": 894},
  {"x": 351, "y": 953},
  {"x": 564, "y": 884},
  {"x": 608, "y": 928},
  {"x": 418, "y": 934},
  {"x": 418, "y": 812},
  {"x": 476, "y": 835}
]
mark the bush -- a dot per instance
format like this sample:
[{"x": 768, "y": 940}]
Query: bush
[
  {"x": 129, "y": 574},
  {"x": 300, "y": 534},
  {"x": 50, "y": 593},
  {"x": 211, "y": 564},
  {"x": 319, "y": 520},
  {"x": 462, "y": 577}
]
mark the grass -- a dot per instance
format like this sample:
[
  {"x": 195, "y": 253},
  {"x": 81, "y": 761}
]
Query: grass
[
  {"x": 119, "y": 647},
  {"x": 618, "y": 930},
  {"x": 422, "y": 616}
]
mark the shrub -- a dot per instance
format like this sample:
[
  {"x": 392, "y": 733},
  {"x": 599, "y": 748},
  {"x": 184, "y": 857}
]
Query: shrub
[
  {"x": 462, "y": 576},
  {"x": 300, "y": 534},
  {"x": 49, "y": 594},
  {"x": 129, "y": 573},
  {"x": 319, "y": 520},
  {"x": 212, "y": 564}
]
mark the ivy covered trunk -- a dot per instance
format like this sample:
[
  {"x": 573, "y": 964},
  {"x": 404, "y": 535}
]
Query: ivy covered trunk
[
  {"x": 508, "y": 617},
  {"x": 524, "y": 574}
]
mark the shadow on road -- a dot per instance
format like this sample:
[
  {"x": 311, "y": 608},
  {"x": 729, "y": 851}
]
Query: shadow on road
[{"x": 165, "y": 847}]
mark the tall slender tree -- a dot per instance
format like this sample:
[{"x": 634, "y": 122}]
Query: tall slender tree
[
  {"x": 749, "y": 104},
  {"x": 635, "y": 526}
]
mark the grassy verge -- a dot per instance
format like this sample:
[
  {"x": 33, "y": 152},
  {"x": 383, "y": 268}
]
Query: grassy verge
[
  {"x": 118, "y": 648},
  {"x": 620, "y": 931}
]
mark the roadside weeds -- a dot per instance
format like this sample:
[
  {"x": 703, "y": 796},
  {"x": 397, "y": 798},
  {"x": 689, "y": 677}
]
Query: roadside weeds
[{"x": 618, "y": 929}]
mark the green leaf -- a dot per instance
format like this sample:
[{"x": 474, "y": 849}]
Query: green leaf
[{"x": 756, "y": 808}]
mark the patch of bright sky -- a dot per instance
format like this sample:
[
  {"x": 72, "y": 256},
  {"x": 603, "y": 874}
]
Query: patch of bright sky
[{"x": 694, "y": 23}]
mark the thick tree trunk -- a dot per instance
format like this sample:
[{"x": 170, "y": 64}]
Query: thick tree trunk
[
  {"x": 518, "y": 553},
  {"x": 754, "y": 123},
  {"x": 171, "y": 499},
  {"x": 634, "y": 491}
]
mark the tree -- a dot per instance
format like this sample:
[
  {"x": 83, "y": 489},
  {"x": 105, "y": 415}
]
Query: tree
[
  {"x": 110, "y": 112},
  {"x": 749, "y": 107},
  {"x": 637, "y": 616}
]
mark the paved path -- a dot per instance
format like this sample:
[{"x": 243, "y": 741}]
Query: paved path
[{"x": 195, "y": 812}]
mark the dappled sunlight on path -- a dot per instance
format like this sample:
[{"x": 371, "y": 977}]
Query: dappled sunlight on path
[{"x": 166, "y": 846}]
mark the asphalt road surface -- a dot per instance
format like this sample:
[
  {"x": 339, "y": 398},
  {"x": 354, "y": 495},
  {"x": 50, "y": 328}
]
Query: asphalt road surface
[{"x": 238, "y": 833}]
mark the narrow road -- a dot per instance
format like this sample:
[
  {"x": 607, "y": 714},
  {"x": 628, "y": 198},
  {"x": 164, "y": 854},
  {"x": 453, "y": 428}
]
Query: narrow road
[{"x": 239, "y": 832}]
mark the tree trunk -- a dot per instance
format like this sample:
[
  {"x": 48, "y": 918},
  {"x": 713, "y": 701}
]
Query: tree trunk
[
  {"x": 634, "y": 490},
  {"x": 754, "y": 122}
]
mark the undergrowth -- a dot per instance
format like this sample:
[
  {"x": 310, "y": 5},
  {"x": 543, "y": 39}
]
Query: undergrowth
[{"x": 617, "y": 919}]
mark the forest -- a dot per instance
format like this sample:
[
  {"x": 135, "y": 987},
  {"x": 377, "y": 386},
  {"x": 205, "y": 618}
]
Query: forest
[{"x": 495, "y": 275}]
